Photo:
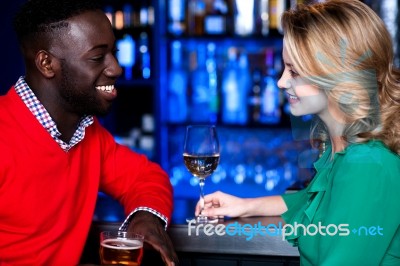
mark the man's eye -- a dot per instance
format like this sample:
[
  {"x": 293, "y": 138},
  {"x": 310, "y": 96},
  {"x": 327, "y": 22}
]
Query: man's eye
[{"x": 98, "y": 58}]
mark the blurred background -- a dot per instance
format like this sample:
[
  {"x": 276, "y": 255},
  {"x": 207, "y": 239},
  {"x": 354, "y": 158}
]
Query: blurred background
[{"x": 202, "y": 62}]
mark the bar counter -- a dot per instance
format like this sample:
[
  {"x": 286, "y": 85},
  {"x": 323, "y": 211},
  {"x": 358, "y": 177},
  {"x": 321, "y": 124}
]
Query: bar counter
[{"x": 249, "y": 241}]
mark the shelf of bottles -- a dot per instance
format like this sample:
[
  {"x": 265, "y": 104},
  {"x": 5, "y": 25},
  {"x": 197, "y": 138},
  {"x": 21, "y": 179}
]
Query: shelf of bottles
[
  {"x": 223, "y": 63},
  {"x": 131, "y": 119},
  {"x": 133, "y": 23},
  {"x": 223, "y": 82},
  {"x": 211, "y": 61}
]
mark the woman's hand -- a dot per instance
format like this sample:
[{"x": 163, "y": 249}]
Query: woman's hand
[{"x": 222, "y": 204}]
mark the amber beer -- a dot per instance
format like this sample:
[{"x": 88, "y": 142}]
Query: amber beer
[{"x": 121, "y": 250}]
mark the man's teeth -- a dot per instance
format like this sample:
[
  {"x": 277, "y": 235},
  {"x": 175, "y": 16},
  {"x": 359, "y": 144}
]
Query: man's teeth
[
  {"x": 108, "y": 88},
  {"x": 292, "y": 97}
]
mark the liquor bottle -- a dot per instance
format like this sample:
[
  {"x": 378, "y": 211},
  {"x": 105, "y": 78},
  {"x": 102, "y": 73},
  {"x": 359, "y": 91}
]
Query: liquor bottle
[
  {"x": 144, "y": 70},
  {"x": 190, "y": 23},
  {"x": 195, "y": 17},
  {"x": 146, "y": 138},
  {"x": 262, "y": 17},
  {"x": 276, "y": 9},
  {"x": 144, "y": 13},
  {"x": 126, "y": 55},
  {"x": 150, "y": 15},
  {"x": 119, "y": 20},
  {"x": 127, "y": 15},
  {"x": 211, "y": 65},
  {"x": 199, "y": 81},
  {"x": 234, "y": 93},
  {"x": 215, "y": 21},
  {"x": 204, "y": 86},
  {"x": 177, "y": 86},
  {"x": 270, "y": 97},
  {"x": 254, "y": 99},
  {"x": 176, "y": 11},
  {"x": 244, "y": 86},
  {"x": 270, "y": 102},
  {"x": 135, "y": 16},
  {"x": 244, "y": 17}
]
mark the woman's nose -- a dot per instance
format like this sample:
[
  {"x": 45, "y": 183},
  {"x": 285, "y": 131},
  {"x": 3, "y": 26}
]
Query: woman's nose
[{"x": 283, "y": 81}]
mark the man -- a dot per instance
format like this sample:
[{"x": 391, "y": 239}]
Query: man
[{"x": 55, "y": 155}]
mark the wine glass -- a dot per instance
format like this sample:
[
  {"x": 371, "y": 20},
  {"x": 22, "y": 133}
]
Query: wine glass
[{"x": 201, "y": 158}]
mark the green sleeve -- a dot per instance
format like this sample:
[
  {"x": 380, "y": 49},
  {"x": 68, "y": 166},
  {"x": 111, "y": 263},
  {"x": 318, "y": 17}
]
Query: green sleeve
[
  {"x": 365, "y": 196},
  {"x": 294, "y": 202},
  {"x": 292, "y": 199}
]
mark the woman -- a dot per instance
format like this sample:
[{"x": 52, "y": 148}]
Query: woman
[{"x": 339, "y": 67}]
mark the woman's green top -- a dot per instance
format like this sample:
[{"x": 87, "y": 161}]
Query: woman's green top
[{"x": 350, "y": 213}]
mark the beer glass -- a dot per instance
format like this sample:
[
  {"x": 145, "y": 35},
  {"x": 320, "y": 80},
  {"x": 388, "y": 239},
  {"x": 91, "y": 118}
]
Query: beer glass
[{"x": 121, "y": 248}]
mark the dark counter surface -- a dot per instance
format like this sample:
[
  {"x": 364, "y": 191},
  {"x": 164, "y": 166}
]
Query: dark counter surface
[
  {"x": 247, "y": 236},
  {"x": 243, "y": 237},
  {"x": 253, "y": 236}
]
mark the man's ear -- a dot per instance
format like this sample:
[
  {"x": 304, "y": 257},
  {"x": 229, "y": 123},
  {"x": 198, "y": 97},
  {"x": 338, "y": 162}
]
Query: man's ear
[{"x": 45, "y": 63}]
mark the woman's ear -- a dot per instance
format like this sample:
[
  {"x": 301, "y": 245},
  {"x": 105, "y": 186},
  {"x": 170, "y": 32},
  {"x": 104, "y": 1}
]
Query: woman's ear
[{"x": 45, "y": 63}]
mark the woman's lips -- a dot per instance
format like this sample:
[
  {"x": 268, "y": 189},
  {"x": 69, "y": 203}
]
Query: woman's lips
[{"x": 292, "y": 99}]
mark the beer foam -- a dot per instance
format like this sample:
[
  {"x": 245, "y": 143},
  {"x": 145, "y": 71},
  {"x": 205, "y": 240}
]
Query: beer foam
[{"x": 119, "y": 243}]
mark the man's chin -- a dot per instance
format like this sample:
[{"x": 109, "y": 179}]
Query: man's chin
[{"x": 101, "y": 112}]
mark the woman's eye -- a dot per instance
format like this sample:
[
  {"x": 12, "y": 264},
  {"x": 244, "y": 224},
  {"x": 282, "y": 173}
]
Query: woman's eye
[{"x": 293, "y": 73}]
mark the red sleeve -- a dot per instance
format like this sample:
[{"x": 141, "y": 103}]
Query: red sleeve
[{"x": 132, "y": 179}]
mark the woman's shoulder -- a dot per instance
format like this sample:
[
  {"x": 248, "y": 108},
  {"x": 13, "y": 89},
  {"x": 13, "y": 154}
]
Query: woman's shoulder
[
  {"x": 373, "y": 151},
  {"x": 369, "y": 163}
]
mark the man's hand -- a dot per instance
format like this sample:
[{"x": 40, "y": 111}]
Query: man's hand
[{"x": 149, "y": 225}]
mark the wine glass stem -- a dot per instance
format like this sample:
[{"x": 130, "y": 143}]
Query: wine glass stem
[{"x": 201, "y": 184}]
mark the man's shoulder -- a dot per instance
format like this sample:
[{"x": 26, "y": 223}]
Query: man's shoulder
[
  {"x": 7, "y": 100},
  {"x": 96, "y": 131},
  {"x": 4, "y": 99},
  {"x": 10, "y": 120}
]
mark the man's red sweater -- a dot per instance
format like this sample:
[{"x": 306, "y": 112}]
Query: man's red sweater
[{"x": 48, "y": 196}]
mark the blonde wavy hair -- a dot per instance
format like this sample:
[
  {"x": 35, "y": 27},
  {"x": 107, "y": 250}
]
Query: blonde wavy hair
[{"x": 343, "y": 47}]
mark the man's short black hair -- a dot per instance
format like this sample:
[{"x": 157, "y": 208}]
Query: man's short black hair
[{"x": 44, "y": 16}]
